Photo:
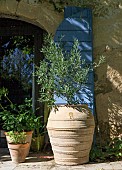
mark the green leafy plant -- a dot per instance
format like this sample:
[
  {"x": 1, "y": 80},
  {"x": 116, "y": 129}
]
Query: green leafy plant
[
  {"x": 62, "y": 74},
  {"x": 114, "y": 149},
  {"x": 17, "y": 118},
  {"x": 97, "y": 155},
  {"x": 111, "y": 152},
  {"x": 38, "y": 137},
  {"x": 17, "y": 137}
]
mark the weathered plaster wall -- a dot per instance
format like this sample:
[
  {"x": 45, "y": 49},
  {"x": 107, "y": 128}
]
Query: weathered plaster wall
[{"x": 107, "y": 32}]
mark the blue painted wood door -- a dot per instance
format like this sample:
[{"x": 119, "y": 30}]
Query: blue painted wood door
[{"x": 77, "y": 24}]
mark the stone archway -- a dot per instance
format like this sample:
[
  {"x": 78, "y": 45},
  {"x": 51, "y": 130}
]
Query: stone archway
[{"x": 40, "y": 14}]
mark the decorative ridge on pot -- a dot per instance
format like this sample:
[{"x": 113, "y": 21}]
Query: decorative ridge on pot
[{"x": 69, "y": 112}]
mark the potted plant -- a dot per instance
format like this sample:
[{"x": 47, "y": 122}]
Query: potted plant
[
  {"x": 18, "y": 147},
  {"x": 17, "y": 119},
  {"x": 71, "y": 126}
]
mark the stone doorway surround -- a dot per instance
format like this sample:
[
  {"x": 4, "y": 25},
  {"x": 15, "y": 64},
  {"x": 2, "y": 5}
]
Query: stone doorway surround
[{"x": 32, "y": 11}]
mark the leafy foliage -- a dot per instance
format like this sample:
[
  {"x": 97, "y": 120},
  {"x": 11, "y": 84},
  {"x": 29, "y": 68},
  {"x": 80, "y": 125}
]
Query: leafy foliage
[
  {"x": 38, "y": 137},
  {"x": 61, "y": 73},
  {"x": 25, "y": 43},
  {"x": 17, "y": 137},
  {"x": 111, "y": 152},
  {"x": 17, "y": 60},
  {"x": 17, "y": 117}
]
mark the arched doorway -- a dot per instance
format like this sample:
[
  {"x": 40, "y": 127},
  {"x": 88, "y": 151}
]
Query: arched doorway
[{"x": 12, "y": 30}]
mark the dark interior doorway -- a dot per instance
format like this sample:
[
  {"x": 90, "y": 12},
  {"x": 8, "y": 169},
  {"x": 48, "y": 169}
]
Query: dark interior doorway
[{"x": 16, "y": 67}]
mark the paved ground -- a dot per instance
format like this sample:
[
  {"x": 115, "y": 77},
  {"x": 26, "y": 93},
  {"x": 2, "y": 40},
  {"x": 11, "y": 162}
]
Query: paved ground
[{"x": 46, "y": 162}]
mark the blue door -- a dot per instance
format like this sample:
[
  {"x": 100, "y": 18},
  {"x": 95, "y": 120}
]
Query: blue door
[{"x": 77, "y": 24}]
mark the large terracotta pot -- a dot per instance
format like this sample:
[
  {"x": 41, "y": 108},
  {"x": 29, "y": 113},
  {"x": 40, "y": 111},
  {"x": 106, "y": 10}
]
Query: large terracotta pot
[
  {"x": 28, "y": 139},
  {"x": 71, "y": 134},
  {"x": 18, "y": 152}
]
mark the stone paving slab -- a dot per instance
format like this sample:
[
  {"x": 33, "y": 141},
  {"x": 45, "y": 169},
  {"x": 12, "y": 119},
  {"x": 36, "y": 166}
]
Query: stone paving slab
[
  {"x": 50, "y": 165},
  {"x": 39, "y": 162},
  {"x": 35, "y": 166}
]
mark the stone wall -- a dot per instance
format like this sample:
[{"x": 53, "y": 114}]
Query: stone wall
[
  {"x": 107, "y": 33},
  {"x": 32, "y": 11}
]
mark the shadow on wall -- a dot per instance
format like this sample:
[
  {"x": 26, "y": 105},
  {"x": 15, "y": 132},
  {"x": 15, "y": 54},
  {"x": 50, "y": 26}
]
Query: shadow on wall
[
  {"x": 108, "y": 42},
  {"x": 115, "y": 102},
  {"x": 109, "y": 97},
  {"x": 115, "y": 119}
]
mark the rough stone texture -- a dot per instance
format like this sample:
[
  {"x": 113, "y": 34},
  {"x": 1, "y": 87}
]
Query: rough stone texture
[
  {"x": 107, "y": 31},
  {"x": 103, "y": 119},
  {"x": 108, "y": 42},
  {"x": 37, "y": 13}
]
